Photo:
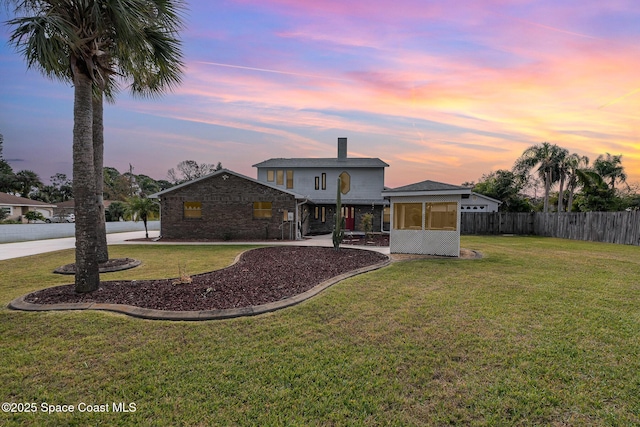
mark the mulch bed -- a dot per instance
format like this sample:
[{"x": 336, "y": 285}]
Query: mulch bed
[{"x": 260, "y": 276}]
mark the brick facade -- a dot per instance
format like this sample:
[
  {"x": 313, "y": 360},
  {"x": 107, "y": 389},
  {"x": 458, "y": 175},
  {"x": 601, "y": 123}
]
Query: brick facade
[{"x": 226, "y": 210}]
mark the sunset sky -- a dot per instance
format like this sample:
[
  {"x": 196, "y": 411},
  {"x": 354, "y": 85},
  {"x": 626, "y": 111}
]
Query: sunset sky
[{"x": 442, "y": 90}]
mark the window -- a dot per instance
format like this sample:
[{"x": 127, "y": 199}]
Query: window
[
  {"x": 386, "y": 218},
  {"x": 324, "y": 214},
  {"x": 441, "y": 216},
  {"x": 324, "y": 181},
  {"x": 407, "y": 216},
  {"x": 270, "y": 176},
  {"x": 262, "y": 209},
  {"x": 280, "y": 177},
  {"x": 317, "y": 182},
  {"x": 316, "y": 213},
  {"x": 289, "y": 179},
  {"x": 345, "y": 182},
  {"x": 192, "y": 209}
]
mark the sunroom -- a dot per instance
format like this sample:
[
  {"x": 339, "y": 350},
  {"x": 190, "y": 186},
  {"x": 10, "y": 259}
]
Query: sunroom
[{"x": 425, "y": 218}]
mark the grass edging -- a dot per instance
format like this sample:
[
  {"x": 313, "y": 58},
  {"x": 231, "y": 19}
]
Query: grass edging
[{"x": 229, "y": 313}]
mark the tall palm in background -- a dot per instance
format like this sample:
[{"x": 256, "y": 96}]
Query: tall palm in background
[
  {"x": 610, "y": 168},
  {"x": 576, "y": 164},
  {"x": 562, "y": 170},
  {"x": 546, "y": 157},
  {"x": 87, "y": 43}
]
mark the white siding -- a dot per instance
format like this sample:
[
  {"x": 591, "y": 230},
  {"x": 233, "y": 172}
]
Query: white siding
[
  {"x": 479, "y": 203},
  {"x": 366, "y": 183}
]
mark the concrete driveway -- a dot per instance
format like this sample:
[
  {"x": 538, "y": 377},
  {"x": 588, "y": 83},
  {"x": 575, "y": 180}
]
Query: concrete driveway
[{"x": 33, "y": 247}]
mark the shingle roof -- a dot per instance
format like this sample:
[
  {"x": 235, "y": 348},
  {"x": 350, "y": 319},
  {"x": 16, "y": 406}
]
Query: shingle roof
[
  {"x": 220, "y": 172},
  {"x": 310, "y": 162},
  {"x": 8, "y": 199},
  {"x": 428, "y": 186}
]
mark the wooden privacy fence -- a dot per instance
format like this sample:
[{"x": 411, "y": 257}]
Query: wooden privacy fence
[{"x": 609, "y": 227}]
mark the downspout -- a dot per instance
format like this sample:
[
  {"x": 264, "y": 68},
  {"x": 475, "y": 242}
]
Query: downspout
[
  {"x": 382, "y": 230},
  {"x": 159, "y": 203}
]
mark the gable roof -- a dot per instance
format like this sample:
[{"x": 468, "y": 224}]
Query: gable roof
[
  {"x": 67, "y": 204},
  {"x": 310, "y": 162},
  {"x": 221, "y": 172},
  {"x": 482, "y": 196},
  {"x": 10, "y": 200},
  {"x": 427, "y": 187}
]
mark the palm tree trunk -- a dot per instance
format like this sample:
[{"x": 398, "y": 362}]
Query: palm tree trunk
[
  {"x": 98, "y": 162},
  {"x": 547, "y": 190},
  {"x": 87, "y": 277},
  {"x": 561, "y": 194},
  {"x": 570, "y": 201}
]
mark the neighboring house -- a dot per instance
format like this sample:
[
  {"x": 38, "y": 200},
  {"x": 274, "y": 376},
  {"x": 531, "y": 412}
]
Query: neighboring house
[
  {"x": 68, "y": 207},
  {"x": 64, "y": 208},
  {"x": 227, "y": 205},
  {"x": 362, "y": 182},
  {"x": 425, "y": 218},
  {"x": 480, "y": 203},
  {"x": 18, "y": 206}
]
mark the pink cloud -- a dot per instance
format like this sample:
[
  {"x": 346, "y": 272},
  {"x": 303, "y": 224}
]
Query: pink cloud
[{"x": 551, "y": 78}]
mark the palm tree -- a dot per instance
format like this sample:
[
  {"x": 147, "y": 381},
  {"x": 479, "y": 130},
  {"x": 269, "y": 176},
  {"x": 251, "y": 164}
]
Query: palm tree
[
  {"x": 610, "y": 167},
  {"x": 547, "y": 157},
  {"x": 85, "y": 43},
  {"x": 153, "y": 64},
  {"x": 141, "y": 208},
  {"x": 596, "y": 194},
  {"x": 576, "y": 164},
  {"x": 562, "y": 171}
]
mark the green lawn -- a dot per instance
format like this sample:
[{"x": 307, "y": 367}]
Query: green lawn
[{"x": 539, "y": 332}]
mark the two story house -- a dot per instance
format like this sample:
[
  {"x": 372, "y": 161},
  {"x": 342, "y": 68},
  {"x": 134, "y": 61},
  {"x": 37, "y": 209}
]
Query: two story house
[{"x": 316, "y": 180}]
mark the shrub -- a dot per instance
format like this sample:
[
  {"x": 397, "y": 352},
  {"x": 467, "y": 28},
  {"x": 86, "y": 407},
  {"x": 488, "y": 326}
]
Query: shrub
[
  {"x": 366, "y": 224},
  {"x": 34, "y": 216}
]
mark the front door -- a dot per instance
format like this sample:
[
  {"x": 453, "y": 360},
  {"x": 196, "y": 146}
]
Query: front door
[{"x": 349, "y": 214}]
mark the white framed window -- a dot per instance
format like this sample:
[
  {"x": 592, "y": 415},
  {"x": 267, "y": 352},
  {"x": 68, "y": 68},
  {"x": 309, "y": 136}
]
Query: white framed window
[
  {"x": 407, "y": 216},
  {"x": 441, "y": 216}
]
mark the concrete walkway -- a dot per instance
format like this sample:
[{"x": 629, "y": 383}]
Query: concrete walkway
[{"x": 20, "y": 249}]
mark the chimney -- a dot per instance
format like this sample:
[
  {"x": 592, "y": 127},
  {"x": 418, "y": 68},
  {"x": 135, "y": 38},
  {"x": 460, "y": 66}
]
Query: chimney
[{"x": 342, "y": 148}]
